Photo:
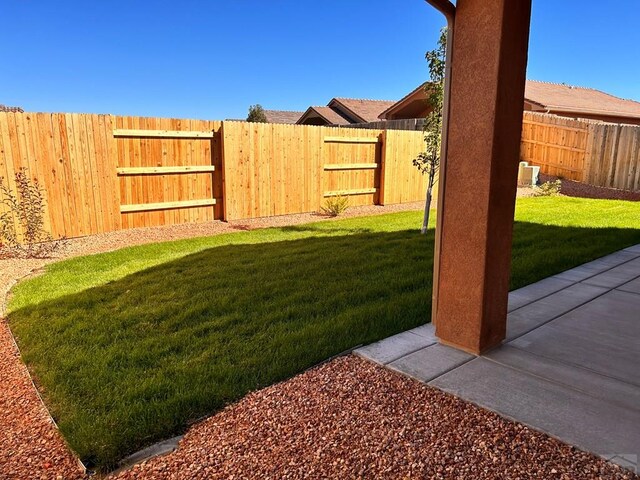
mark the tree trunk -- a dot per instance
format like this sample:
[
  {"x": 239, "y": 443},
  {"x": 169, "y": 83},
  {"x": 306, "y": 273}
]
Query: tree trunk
[{"x": 427, "y": 205}]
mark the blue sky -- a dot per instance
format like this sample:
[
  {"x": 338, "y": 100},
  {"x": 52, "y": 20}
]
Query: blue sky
[{"x": 212, "y": 59}]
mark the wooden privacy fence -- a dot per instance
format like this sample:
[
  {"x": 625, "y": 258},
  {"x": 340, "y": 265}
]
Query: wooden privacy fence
[
  {"x": 103, "y": 173},
  {"x": 601, "y": 154},
  {"x": 295, "y": 168}
]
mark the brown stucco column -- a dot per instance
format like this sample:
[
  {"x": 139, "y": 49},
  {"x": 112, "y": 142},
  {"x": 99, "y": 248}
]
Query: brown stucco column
[{"x": 485, "y": 119}]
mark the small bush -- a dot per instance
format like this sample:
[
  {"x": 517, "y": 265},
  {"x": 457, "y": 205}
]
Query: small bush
[
  {"x": 335, "y": 206},
  {"x": 548, "y": 189},
  {"x": 26, "y": 209}
]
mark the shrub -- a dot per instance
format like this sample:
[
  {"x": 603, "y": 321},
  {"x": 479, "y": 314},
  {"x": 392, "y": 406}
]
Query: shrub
[
  {"x": 548, "y": 189},
  {"x": 335, "y": 206},
  {"x": 25, "y": 207}
]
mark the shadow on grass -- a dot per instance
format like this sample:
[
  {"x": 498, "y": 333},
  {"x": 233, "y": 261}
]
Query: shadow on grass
[{"x": 136, "y": 360}]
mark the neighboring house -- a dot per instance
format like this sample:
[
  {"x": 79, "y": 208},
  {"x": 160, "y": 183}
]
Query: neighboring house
[
  {"x": 557, "y": 99},
  {"x": 5, "y": 108},
  {"x": 412, "y": 105},
  {"x": 282, "y": 116},
  {"x": 323, "y": 116},
  {"x": 345, "y": 111},
  {"x": 579, "y": 102}
]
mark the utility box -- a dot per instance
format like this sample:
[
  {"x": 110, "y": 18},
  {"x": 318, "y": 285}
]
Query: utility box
[{"x": 528, "y": 175}]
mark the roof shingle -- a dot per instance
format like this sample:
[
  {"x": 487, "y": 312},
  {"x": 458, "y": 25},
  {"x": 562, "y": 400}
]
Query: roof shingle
[
  {"x": 579, "y": 100},
  {"x": 282, "y": 116},
  {"x": 330, "y": 115},
  {"x": 366, "y": 110}
]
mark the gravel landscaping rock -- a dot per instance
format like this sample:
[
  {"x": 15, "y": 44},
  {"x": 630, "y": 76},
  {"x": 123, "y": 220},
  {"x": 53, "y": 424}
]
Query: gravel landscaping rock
[
  {"x": 352, "y": 419},
  {"x": 583, "y": 190},
  {"x": 30, "y": 445}
]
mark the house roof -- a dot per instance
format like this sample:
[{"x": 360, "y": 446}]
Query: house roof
[
  {"x": 568, "y": 98},
  {"x": 6, "y": 108},
  {"x": 331, "y": 116},
  {"x": 553, "y": 97},
  {"x": 419, "y": 91},
  {"x": 282, "y": 116},
  {"x": 362, "y": 109}
]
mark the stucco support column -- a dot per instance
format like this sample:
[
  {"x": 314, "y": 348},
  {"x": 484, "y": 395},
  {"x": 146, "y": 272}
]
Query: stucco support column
[{"x": 485, "y": 121}]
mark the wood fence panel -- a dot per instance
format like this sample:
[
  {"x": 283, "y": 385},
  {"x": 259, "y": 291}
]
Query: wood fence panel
[
  {"x": 140, "y": 151},
  {"x": 402, "y": 182},
  {"x": 598, "y": 153},
  {"x": 633, "y": 178},
  {"x": 7, "y": 158},
  {"x": 349, "y": 150},
  {"x": 614, "y": 156},
  {"x": 557, "y": 145},
  {"x": 271, "y": 169},
  {"x": 68, "y": 155}
]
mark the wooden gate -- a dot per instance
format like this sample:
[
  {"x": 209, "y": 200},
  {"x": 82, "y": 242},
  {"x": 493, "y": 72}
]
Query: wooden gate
[
  {"x": 168, "y": 176},
  {"x": 352, "y": 168}
]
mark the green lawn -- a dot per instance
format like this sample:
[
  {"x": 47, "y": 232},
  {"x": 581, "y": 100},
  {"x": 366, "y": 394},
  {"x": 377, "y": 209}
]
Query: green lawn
[{"x": 131, "y": 346}]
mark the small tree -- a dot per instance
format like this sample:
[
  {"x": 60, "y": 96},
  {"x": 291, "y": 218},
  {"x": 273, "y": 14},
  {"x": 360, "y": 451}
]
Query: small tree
[
  {"x": 428, "y": 162},
  {"x": 256, "y": 114}
]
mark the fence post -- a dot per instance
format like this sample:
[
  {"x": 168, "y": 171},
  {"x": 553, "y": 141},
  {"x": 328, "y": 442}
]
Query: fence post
[{"x": 383, "y": 166}]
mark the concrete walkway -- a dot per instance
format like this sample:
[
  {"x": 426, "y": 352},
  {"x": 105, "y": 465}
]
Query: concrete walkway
[{"x": 570, "y": 365}]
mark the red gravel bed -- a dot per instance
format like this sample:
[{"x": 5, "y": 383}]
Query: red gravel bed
[
  {"x": 584, "y": 190},
  {"x": 30, "y": 445},
  {"x": 352, "y": 419}
]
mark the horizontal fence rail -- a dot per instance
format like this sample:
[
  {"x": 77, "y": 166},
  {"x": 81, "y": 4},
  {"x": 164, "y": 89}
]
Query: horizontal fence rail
[{"x": 121, "y": 132}]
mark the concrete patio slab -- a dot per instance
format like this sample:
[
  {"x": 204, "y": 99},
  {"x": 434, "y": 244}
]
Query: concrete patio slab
[
  {"x": 602, "y": 335},
  {"x": 633, "y": 249},
  {"x": 430, "y": 362},
  {"x": 585, "y": 421},
  {"x": 574, "y": 376},
  {"x": 616, "y": 276},
  {"x": 536, "y": 291},
  {"x": 393, "y": 348},
  {"x": 538, "y": 313},
  {"x": 600, "y": 265},
  {"x": 633, "y": 286},
  {"x": 427, "y": 331},
  {"x": 570, "y": 365}
]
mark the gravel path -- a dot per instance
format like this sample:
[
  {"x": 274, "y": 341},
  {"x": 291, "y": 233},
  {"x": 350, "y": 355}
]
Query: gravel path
[
  {"x": 346, "y": 419},
  {"x": 353, "y": 419}
]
